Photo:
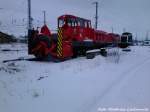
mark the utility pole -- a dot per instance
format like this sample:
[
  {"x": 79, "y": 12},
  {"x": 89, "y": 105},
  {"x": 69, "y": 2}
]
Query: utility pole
[
  {"x": 136, "y": 40},
  {"x": 44, "y": 14},
  {"x": 29, "y": 15},
  {"x": 136, "y": 37},
  {"x": 0, "y": 21},
  {"x": 96, "y": 15},
  {"x": 112, "y": 29},
  {"x": 29, "y": 27}
]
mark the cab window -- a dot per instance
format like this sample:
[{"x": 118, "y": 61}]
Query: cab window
[{"x": 61, "y": 22}]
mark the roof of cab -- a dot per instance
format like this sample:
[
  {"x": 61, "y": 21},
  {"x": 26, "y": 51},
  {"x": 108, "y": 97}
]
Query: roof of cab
[{"x": 71, "y": 16}]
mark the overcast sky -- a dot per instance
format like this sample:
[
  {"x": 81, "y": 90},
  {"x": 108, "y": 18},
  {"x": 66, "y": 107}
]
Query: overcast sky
[{"x": 133, "y": 15}]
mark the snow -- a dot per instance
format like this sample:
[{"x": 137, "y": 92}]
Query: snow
[
  {"x": 95, "y": 50},
  {"x": 120, "y": 80}
]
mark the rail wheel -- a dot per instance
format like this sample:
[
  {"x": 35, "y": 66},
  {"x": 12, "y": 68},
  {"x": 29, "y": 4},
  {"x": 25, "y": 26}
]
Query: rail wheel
[{"x": 103, "y": 52}]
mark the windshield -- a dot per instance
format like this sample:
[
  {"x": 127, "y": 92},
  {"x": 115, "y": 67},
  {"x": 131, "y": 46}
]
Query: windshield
[
  {"x": 61, "y": 22},
  {"x": 72, "y": 22}
]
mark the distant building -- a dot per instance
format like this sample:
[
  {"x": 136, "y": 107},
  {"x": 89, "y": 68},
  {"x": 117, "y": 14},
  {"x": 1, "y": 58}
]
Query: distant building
[{"x": 5, "y": 38}]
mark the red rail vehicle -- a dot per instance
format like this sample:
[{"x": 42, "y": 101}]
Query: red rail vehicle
[{"x": 75, "y": 36}]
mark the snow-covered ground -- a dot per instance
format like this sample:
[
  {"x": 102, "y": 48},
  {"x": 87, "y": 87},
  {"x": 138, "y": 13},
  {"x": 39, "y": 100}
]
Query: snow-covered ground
[{"x": 119, "y": 82}]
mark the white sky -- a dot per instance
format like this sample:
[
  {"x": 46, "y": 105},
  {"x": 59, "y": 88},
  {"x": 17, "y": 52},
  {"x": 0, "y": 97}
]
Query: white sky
[{"x": 133, "y": 15}]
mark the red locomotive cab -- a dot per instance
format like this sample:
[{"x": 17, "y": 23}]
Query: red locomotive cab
[
  {"x": 65, "y": 31},
  {"x": 75, "y": 28},
  {"x": 65, "y": 25}
]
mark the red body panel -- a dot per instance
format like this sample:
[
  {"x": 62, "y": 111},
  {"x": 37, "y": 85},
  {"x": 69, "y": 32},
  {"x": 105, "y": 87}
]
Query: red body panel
[
  {"x": 67, "y": 49},
  {"x": 80, "y": 33},
  {"x": 45, "y": 31}
]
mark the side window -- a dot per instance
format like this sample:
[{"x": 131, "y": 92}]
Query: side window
[
  {"x": 75, "y": 23},
  {"x": 82, "y": 23},
  {"x": 89, "y": 24},
  {"x": 69, "y": 23},
  {"x": 85, "y": 24},
  {"x": 79, "y": 23},
  {"x": 72, "y": 22}
]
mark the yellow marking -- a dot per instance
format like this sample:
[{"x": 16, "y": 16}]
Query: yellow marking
[{"x": 59, "y": 43}]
